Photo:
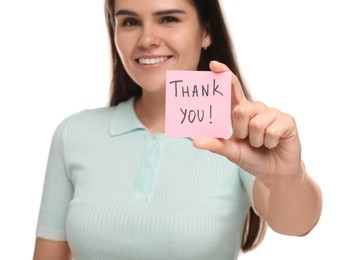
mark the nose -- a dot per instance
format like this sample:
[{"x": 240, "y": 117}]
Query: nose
[{"x": 148, "y": 37}]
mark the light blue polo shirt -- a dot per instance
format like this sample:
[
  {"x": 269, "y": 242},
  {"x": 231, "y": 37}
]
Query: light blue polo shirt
[{"x": 115, "y": 191}]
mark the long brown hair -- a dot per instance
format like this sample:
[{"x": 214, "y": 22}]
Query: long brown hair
[{"x": 123, "y": 87}]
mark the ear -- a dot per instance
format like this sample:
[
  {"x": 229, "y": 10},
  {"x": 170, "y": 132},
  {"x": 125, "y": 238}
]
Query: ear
[{"x": 207, "y": 40}]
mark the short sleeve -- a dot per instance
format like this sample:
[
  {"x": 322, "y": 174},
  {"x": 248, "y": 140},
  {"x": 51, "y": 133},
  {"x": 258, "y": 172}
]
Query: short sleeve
[
  {"x": 57, "y": 191},
  {"x": 248, "y": 183}
]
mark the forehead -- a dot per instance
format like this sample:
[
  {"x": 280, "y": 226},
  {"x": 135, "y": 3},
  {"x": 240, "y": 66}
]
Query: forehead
[{"x": 144, "y": 6}]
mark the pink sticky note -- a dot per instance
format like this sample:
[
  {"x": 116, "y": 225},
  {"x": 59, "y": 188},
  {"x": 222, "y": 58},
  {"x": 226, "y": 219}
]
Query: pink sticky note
[{"x": 198, "y": 104}]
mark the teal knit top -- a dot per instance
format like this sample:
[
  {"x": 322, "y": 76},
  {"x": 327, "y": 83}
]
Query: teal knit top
[{"x": 115, "y": 191}]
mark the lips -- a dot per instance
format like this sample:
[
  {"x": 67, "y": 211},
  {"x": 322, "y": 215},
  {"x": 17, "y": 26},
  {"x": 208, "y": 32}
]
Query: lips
[{"x": 152, "y": 60}]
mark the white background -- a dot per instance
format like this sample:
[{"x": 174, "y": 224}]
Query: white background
[{"x": 54, "y": 61}]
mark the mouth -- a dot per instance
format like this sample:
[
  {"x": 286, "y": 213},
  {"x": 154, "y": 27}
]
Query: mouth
[{"x": 153, "y": 60}]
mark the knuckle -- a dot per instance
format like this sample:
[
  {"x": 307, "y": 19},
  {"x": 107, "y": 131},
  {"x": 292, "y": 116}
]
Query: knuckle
[
  {"x": 272, "y": 133},
  {"x": 290, "y": 118},
  {"x": 260, "y": 104},
  {"x": 257, "y": 125},
  {"x": 239, "y": 111}
]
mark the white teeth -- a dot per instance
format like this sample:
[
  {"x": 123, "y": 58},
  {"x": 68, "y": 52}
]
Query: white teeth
[{"x": 150, "y": 61}]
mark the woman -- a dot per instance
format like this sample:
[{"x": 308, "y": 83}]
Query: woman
[{"x": 117, "y": 188}]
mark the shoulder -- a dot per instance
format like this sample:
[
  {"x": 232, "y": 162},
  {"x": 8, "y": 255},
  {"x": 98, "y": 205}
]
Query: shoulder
[
  {"x": 100, "y": 121},
  {"x": 90, "y": 116},
  {"x": 85, "y": 121}
]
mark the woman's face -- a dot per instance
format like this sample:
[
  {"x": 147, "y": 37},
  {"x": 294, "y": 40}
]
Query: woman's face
[{"x": 154, "y": 36}]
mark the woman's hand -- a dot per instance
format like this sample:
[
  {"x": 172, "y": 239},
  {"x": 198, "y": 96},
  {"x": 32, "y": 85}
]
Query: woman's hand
[{"x": 265, "y": 141}]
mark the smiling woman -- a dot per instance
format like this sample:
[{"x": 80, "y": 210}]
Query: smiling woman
[
  {"x": 155, "y": 36},
  {"x": 117, "y": 187}
]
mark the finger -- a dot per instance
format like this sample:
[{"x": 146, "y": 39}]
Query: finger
[
  {"x": 242, "y": 115},
  {"x": 211, "y": 144},
  {"x": 220, "y": 146},
  {"x": 234, "y": 151},
  {"x": 218, "y": 67},
  {"x": 259, "y": 124},
  {"x": 284, "y": 127},
  {"x": 237, "y": 95}
]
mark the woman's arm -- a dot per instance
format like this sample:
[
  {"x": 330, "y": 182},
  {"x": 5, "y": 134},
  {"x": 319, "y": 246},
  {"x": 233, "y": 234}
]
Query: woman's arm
[
  {"x": 52, "y": 250},
  {"x": 291, "y": 206},
  {"x": 265, "y": 143}
]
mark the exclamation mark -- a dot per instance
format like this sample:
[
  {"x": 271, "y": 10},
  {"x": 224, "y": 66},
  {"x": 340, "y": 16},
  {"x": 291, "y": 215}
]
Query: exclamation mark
[{"x": 211, "y": 114}]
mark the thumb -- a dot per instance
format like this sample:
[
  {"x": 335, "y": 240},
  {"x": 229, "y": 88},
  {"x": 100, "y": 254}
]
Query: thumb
[
  {"x": 218, "y": 67},
  {"x": 237, "y": 96},
  {"x": 226, "y": 147}
]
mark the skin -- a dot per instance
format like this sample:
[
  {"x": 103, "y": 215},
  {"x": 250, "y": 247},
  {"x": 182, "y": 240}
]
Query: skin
[
  {"x": 145, "y": 30},
  {"x": 265, "y": 141},
  {"x": 150, "y": 29},
  {"x": 52, "y": 250}
]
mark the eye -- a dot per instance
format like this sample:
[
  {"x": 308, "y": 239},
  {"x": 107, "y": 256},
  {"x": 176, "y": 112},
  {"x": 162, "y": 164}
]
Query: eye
[
  {"x": 130, "y": 22},
  {"x": 169, "y": 19}
]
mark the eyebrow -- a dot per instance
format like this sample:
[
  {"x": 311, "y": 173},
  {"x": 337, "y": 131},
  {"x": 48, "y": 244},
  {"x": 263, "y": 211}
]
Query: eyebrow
[{"x": 158, "y": 13}]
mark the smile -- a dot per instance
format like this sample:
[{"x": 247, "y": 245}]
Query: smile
[{"x": 152, "y": 61}]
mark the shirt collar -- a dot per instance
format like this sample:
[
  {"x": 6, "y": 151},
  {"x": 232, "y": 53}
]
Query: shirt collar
[{"x": 124, "y": 119}]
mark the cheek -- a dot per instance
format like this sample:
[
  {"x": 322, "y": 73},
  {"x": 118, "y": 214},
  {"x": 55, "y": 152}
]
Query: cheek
[
  {"x": 189, "y": 46},
  {"x": 122, "y": 46},
  {"x": 192, "y": 50},
  {"x": 191, "y": 42},
  {"x": 123, "y": 54}
]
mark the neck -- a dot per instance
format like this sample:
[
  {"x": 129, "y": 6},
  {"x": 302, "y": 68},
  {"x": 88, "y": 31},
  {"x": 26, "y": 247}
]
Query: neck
[{"x": 150, "y": 109}]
